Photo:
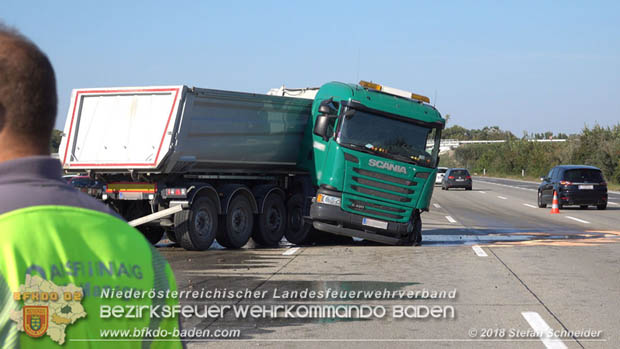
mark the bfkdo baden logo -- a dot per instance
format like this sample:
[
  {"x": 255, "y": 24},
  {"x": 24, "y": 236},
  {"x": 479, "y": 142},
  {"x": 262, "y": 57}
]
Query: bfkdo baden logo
[
  {"x": 35, "y": 320},
  {"x": 48, "y": 308}
]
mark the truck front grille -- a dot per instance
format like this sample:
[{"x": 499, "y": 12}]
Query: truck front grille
[
  {"x": 384, "y": 177},
  {"x": 379, "y": 194},
  {"x": 374, "y": 184},
  {"x": 371, "y": 188}
]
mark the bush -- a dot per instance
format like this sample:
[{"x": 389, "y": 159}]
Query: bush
[{"x": 599, "y": 146}]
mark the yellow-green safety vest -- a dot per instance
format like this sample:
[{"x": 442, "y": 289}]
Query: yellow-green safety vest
[{"x": 95, "y": 252}]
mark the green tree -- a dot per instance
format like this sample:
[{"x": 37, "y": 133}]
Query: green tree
[{"x": 55, "y": 141}]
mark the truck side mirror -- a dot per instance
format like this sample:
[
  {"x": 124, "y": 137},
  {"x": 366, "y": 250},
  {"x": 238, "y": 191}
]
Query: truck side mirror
[{"x": 320, "y": 126}]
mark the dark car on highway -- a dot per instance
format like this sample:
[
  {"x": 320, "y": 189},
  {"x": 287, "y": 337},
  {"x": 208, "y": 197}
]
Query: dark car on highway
[
  {"x": 456, "y": 178},
  {"x": 575, "y": 185}
]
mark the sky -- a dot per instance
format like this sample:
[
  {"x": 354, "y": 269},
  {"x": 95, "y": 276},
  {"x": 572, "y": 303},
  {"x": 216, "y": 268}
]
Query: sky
[{"x": 523, "y": 66}]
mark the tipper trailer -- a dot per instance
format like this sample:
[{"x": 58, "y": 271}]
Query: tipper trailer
[{"x": 202, "y": 164}]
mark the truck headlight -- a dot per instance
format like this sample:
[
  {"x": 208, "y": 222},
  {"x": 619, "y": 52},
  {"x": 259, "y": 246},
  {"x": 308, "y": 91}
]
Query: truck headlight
[{"x": 328, "y": 200}]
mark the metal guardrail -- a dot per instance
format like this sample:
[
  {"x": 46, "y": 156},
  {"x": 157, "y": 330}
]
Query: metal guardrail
[{"x": 454, "y": 143}]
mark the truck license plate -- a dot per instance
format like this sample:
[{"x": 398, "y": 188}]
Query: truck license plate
[
  {"x": 374, "y": 223},
  {"x": 586, "y": 186}
]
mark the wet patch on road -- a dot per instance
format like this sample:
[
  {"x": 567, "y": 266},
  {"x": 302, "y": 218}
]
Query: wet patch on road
[{"x": 510, "y": 237}]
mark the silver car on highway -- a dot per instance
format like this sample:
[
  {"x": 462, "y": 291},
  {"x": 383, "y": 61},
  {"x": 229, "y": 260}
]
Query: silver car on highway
[{"x": 441, "y": 172}]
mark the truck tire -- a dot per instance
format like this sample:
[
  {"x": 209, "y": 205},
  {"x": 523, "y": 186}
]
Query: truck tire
[
  {"x": 415, "y": 237},
  {"x": 153, "y": 234},
  {"x": 297, "y": 230},
  {"x": 417, "y": 231},
  {"x": 236, "y": 226},
  {"x": 271, "y": 224},
  {"x": 195, "y": 228}
]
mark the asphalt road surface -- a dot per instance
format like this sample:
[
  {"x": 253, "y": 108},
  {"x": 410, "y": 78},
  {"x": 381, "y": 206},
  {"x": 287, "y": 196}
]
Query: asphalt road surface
[{"x": 514, "y": 276}]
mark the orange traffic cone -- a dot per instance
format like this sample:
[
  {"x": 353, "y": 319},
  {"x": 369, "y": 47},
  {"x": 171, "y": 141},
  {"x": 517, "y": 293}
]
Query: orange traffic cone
[{"x": 555, "y": 207}]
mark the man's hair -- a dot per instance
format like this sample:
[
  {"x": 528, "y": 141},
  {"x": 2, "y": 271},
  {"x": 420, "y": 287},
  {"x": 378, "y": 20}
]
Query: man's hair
[{"x": 28, "y": 99}]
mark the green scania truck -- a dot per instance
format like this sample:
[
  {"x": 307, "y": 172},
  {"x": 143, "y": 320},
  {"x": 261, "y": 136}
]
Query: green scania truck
[{"x": 197, "y": 164}]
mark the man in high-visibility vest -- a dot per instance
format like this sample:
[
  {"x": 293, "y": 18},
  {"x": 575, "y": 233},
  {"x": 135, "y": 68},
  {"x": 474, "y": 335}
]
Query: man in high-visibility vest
[{"x": 72, "y": 272}]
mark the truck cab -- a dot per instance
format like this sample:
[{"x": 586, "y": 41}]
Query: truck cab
[{"x": 369, "y": 160}]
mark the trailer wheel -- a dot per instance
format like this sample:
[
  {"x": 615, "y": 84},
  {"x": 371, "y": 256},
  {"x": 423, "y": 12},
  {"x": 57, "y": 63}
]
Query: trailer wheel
[
  {"x": 297, "y": 230},
  {"x": 236, "y": 226},
  {"x": 195, "y": 228},
  {"x": 271, "y": 224}
]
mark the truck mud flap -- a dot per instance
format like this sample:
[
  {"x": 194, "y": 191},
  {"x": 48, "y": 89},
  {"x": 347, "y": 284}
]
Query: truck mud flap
[{"x": 356, "y": 233}]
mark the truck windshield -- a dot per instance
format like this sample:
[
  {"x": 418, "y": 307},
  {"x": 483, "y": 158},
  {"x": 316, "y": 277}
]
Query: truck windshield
[{"x": 389, "y": 137}]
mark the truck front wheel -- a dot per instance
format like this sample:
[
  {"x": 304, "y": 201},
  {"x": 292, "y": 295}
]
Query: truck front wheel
[
  {"x": 236, "y": 226},
  {"x": 297, "y": 230},
  {"x": 415, "y": 236},
  {"x": 271, "y": 224},
  {"x": 195, "y": 228}
]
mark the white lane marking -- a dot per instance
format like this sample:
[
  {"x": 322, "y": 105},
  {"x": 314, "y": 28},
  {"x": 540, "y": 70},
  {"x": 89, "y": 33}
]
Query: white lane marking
[
  {"x": 545, "y": 332},
  {"x": 528, "y": 205},
  {"x": 578, "y": 220},
  {"x": 501, "y": 197},
  {"x": 450, "y": 219},
  {"x": 613, "y": 203},
  {"x": 436, "y": 205},
  {"x": 479, "y": 251},
  {"x": 290, "y": 251},
  {"x": 482, "y": 192}
]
